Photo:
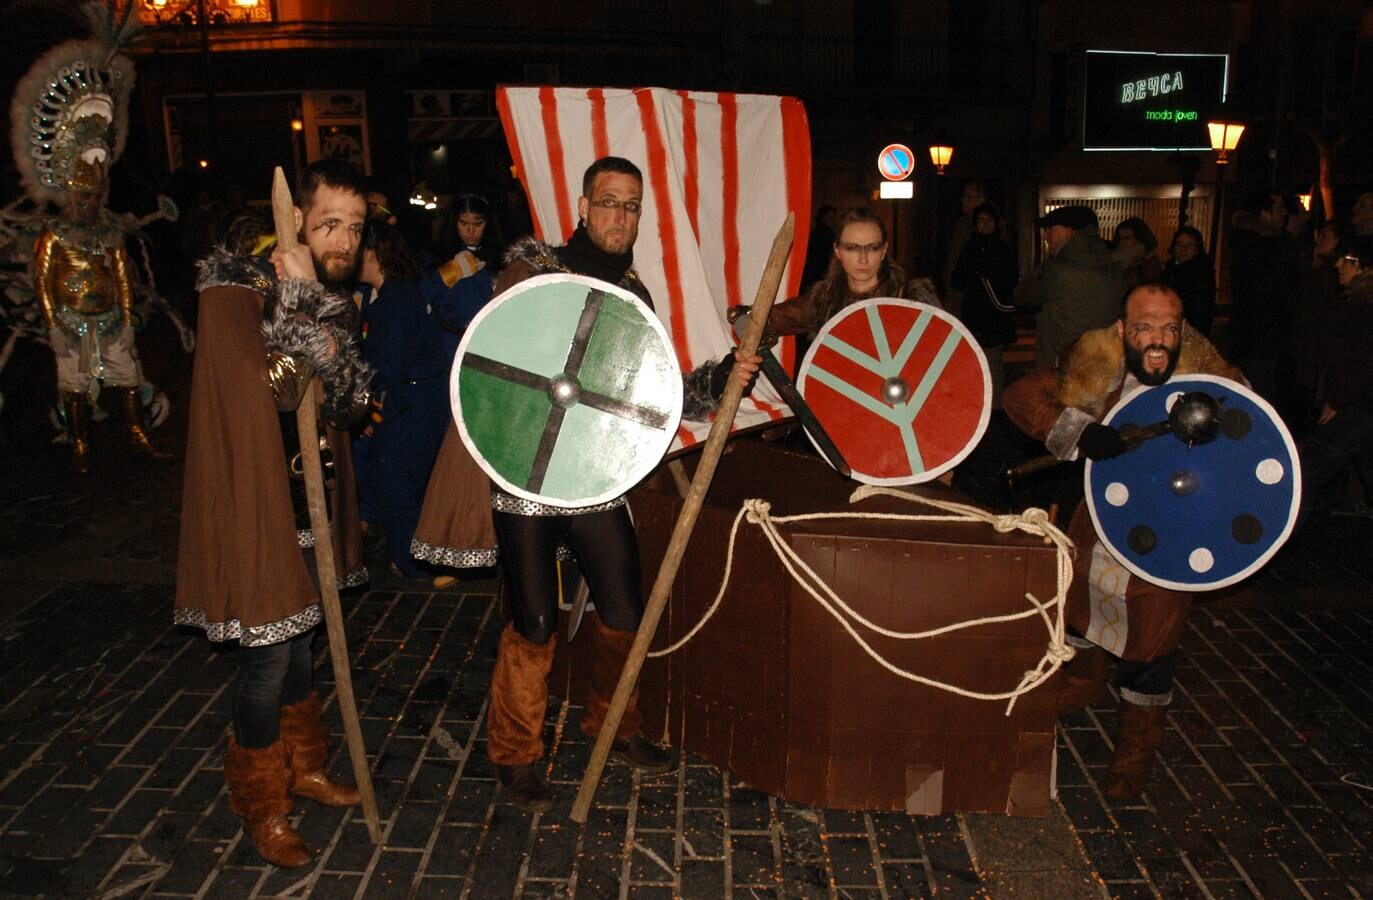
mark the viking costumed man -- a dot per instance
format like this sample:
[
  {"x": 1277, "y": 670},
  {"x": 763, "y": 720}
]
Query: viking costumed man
[
  {"x": 268, "y": 327},
  {"x": 68, "y": 124},
  {"x": 1110, "y": 611},
  {"x": 529, "y": 533}
]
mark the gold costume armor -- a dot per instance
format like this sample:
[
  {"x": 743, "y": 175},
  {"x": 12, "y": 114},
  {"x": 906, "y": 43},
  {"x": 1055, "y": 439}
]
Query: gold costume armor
[{"x": 83, "y": 271}]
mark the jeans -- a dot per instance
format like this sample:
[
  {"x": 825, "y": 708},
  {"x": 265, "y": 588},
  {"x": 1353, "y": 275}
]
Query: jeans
[{"x": 269, "y": 678}]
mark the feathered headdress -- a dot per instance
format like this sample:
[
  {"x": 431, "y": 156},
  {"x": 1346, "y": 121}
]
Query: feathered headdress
[{"x": 70, "y": 114}]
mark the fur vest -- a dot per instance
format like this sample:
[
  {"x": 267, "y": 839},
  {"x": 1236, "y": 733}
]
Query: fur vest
[{"x": 1092, "y": 373}]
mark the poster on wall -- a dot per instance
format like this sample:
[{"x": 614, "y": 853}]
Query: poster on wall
[
  {"x": 1151, "y": 101},
  {"x": 336, "y": 127}
]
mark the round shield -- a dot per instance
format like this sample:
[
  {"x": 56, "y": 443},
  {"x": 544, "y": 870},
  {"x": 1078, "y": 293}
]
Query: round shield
[
  {"x": 900, "y": 387},
  {"x": 1203, "y": 517},
  {"x": 566, "y": 390}
]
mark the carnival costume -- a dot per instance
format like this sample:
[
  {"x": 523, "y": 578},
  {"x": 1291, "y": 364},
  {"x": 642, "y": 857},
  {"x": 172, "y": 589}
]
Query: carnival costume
[
  {"x": 69, "y": 121},
  {"x": 530, "y": 536},
  {"x": 241, "y": 575},
  {"x": 1056, "y": 408}
]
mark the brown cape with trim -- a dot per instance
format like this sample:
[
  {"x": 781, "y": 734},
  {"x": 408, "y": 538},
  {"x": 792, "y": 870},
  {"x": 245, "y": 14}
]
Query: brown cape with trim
[{"x": 240, "y": 569}]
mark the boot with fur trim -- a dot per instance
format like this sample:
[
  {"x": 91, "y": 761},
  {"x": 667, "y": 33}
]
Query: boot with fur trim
[
  {"x": 258, "y": 783},
  {"x": 307, "y": 750},
  {"x": 608, "y": 661}
]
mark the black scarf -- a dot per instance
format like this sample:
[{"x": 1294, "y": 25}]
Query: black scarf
[{"x": 583, "y": 257}]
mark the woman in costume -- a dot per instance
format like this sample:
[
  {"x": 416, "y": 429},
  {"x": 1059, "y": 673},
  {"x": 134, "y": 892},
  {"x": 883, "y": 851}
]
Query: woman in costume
[{"x": 859, "y": 270}]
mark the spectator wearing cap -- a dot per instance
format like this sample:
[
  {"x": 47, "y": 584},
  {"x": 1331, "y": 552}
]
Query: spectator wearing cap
[{"x": 1077, "y": 288}]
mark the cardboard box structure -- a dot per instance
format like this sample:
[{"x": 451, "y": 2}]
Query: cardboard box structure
[{"x": 777, "y": 692}]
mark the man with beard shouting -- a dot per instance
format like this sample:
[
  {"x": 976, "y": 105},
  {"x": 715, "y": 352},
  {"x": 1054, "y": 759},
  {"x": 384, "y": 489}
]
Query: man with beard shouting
[{"x": 1148, "y": 345}]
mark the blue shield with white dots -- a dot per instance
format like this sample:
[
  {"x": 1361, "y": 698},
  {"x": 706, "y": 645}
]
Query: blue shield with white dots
[{"x": 1202, "y": 517}]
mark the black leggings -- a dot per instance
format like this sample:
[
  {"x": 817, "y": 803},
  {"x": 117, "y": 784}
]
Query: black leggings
[
  {"x": 606, "y": 549},
  {"x": 269, "y": 678}
]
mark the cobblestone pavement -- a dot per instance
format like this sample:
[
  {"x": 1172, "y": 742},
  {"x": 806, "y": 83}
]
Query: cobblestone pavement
[{"x": 113, "y": 723}]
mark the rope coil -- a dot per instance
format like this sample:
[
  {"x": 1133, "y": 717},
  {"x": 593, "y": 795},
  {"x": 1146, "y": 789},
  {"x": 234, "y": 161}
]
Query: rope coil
[{"x": 1032, "y": 521}]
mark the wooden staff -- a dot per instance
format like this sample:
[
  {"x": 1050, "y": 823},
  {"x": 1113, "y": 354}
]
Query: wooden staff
[
  {"x": 686, "y": 521},
  {"x": 283, "y": 216}
]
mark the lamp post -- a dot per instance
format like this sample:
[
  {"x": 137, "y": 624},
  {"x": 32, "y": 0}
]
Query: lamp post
[
  {"x": 941, "y": 152},
  {"x": 1225, "y": 136}
]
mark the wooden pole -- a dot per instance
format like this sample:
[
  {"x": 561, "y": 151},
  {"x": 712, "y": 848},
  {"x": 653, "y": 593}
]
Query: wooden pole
[
  {"x": 686, "y": 521},
  {"x": 307, "y": 429}
]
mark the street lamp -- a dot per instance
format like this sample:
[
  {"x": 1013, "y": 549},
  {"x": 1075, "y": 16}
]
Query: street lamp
[
  {"x": 1225, "y": 136},
  {"x": 940, "y": 154},
  {"x": 941, "y": 151}
]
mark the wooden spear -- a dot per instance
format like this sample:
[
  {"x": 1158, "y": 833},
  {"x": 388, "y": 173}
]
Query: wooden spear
[
  {"x": 686, "y": 521},
  {"x": 283, "y": 216}
]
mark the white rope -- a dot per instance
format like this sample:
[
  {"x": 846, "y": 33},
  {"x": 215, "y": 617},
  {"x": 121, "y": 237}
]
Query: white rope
[{"x": 1032, "y": 521}]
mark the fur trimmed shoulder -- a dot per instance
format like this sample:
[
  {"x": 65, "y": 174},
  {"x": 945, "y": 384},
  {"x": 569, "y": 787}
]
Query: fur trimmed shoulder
[
  {"x": 1092, "y": 370},
  {"x": 311, "y": 325},
  {"x": 1094, "y": 366},
  {"x": 223, "y": 269},
  {"x": 534, "y": 253}
]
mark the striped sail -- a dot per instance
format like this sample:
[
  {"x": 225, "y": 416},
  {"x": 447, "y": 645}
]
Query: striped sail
[{"x": 722, "y": 171}]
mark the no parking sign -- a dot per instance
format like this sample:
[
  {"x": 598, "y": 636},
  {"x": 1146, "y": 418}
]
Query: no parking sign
[{"x": 896, "y": 162}]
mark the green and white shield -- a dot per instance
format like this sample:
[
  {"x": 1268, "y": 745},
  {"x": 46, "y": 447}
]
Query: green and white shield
[{"x": 566, "y": 390}]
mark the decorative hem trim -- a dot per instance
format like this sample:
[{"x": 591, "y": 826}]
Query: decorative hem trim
[
  {"x": 503, "y": 502},
  {"x": 354, "y": 578},
  {"x": 254, "y": 636},
  {"x": 452, "y": 557},
  {"x": 1139, "y": 699}
]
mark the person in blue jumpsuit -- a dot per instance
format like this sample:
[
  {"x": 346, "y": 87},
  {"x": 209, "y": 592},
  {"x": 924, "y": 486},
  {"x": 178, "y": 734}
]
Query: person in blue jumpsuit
[
  {"x": 468, "y": 261},
  {"x": 404, "y": 346}
]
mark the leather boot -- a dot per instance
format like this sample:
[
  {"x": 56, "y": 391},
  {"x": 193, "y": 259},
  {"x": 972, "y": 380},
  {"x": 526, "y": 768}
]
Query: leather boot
[
  {"x": 307, "y": 749},
  {"x": 607, "y": 662},
  {"x": 525, "y": 787},
  {"x": 78, "y": 423},
  {"x": 258, "y": 782},
  {"x": 519, "y": 699},
  {"x": 133, "y": 415},
  {"x": 1084, "y": 680},
  {"x": 1139, "y": 732}
]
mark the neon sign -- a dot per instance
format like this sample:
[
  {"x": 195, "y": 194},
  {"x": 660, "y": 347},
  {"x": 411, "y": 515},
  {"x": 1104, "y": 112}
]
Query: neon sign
[
  {"x": 1153, "y": 86},
  {"x": 1136, "y": 100}
]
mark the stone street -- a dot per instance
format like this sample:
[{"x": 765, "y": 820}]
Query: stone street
[{"x": 113, "y": 725}]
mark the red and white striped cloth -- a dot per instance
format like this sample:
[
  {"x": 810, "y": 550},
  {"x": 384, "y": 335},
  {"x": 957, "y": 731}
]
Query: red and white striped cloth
[{"x": 721, "y": 173}]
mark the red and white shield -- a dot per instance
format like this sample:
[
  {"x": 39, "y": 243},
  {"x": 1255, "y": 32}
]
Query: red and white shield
[{"x": 901, "y": 387}]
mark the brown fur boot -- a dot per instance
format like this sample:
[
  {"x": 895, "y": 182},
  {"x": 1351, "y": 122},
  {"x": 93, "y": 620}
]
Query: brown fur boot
[
  {"x": 610, "y": 650},
  {"x": 608, "y": 661},
  {"x": 1084, "y": 680},
  {"x": 258, "y": 783},
  {"x": 519, "y": 699},
  {"x": 307, "y": 749},
  {"x": 1139, "y": 732}
]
